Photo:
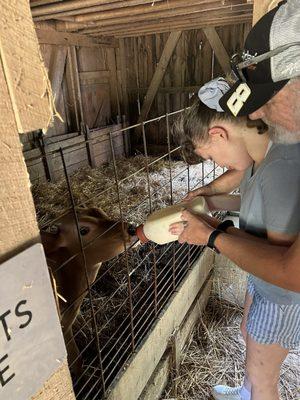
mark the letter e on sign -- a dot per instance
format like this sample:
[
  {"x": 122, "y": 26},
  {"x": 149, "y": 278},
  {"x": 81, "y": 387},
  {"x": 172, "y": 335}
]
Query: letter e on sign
[{"x": 31, "y": 342}]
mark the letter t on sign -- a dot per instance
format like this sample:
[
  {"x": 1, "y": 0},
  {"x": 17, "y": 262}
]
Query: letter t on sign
[{"x": 4, "y": 381}]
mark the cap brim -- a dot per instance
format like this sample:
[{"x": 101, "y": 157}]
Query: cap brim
[{"x": 260, "y": 95}]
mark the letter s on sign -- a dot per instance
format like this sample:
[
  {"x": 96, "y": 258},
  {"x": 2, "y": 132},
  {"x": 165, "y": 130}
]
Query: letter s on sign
[
  {"x": 238, "y": 98},
  {"x": 23, "y": 313}
]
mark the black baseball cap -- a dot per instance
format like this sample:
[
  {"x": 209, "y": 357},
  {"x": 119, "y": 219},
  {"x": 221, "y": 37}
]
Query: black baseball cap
[{"x": 256, "y": 84}]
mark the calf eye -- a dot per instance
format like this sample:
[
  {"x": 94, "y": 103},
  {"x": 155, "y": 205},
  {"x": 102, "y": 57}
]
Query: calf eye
[{"x": 84, "y": 230}]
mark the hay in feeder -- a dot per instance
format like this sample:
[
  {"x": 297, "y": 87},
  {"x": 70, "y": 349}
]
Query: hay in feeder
[{"x": 97, "y": 188}]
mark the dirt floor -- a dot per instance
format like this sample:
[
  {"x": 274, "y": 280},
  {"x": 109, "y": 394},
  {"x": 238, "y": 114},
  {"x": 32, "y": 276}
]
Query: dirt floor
[{"x": 215, "y": 353}]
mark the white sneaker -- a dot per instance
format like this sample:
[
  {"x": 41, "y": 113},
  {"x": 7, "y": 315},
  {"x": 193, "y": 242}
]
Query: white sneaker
[{"x": 223, "y": 392}]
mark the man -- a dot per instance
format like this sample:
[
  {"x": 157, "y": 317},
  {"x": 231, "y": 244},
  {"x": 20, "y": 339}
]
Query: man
[{"x": 268, "y": 87}]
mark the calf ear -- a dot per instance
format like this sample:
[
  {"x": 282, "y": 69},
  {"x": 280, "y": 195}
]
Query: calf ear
[{"x": 51, "y": 241}]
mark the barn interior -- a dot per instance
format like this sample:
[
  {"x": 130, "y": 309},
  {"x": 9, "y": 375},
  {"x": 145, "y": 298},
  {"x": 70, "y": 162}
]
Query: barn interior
[{"x": 121, "y": 73}]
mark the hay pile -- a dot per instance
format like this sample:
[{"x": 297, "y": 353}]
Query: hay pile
[
  {"x": 215, "y": 354},
  {"x": 96, "y": 188}
]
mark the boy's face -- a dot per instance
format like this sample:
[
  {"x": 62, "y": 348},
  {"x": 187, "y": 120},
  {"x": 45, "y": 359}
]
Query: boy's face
[{"x": 225, "y": 149}]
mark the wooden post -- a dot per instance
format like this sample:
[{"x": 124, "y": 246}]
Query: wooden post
[
  {"x": 89, "y": 147},
  {"x": 218, "y": 48},
  {"x": 261, "y": 7},
  {"x": 17, "y": 214}
]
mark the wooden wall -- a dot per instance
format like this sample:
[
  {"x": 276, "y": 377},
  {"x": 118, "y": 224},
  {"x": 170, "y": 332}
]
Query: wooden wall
[
  {"x": 191, "y": 65},
  {"x": 104, "y": 85}
]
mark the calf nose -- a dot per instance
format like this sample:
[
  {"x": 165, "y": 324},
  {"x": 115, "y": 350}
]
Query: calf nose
[{"x": 131, "y": 230}]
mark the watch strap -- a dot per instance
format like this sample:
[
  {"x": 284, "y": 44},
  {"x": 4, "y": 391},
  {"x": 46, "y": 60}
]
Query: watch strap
[
  {"x": 212, "y": 239},
  {"x": 223, "y": 226}
]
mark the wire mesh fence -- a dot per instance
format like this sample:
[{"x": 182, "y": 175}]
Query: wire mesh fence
[{"x": 110, "y": 290}]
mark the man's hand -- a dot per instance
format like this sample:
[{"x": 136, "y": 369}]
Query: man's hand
[{"x": 193, "y": 229}]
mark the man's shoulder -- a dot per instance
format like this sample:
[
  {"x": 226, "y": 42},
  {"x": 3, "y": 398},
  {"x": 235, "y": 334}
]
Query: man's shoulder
[{"x": 284, "y": 152}]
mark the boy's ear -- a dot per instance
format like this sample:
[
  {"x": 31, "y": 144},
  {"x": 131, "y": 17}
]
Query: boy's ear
[{"x": 218, "y": 132}]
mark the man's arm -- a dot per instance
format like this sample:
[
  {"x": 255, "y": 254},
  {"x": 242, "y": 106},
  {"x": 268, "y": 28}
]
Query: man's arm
[{"x": 279, "y": 265}]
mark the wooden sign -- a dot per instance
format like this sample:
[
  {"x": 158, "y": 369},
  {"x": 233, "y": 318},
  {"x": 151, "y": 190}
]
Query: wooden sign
[{"x": 31, "y": 342}]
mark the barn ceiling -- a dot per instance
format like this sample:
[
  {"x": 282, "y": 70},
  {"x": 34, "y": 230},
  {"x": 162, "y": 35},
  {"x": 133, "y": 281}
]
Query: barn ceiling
[{"x": 126, "y": 18}]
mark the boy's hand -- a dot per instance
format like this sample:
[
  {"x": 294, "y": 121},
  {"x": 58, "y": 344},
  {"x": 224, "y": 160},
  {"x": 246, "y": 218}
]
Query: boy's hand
[
  {"x": 203, "y": 191},
  {"x": 193, "y": 230}
]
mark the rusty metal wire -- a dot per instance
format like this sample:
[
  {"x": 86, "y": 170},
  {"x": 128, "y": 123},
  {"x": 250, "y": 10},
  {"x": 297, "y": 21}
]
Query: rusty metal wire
[{"x": 120, "y": 310}]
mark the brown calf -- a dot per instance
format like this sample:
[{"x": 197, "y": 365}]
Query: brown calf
[{"x": 104, "y": 239}]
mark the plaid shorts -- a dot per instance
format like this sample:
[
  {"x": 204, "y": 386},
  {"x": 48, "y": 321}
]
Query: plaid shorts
[{"x": 270, "y": 323}]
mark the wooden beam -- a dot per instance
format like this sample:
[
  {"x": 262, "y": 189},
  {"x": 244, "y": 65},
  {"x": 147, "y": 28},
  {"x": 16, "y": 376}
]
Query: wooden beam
[
  {"x": 178, "y": 9},
  {"x": 48, "y": 7},
  {"x": 185, "y": 17},
  {"x": 261, "y": 7},
  {"x": 147, "y": 10},
  {"x": 218, "y": 48},
  {"x": 197, "y": 24},
  {"x": 52, "y": 36},
  {"x": 42, "y": 13},
  {"x": 36, "y": 3},
  {"x": 159, "y": 73}
]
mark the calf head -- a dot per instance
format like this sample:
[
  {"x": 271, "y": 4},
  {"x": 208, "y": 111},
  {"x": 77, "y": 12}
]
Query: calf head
[{"x": 102, "y": 239}]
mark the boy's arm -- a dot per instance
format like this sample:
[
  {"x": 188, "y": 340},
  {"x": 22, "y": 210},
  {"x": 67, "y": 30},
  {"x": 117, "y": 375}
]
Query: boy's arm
[
  {"x": 225, "y": 183},
  {"x": 223, "y": 202}
]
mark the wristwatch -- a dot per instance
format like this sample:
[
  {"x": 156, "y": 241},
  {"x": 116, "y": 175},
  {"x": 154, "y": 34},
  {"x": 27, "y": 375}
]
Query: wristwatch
[
  {"x": 223, "y": 226},
  {"x": 212, "y": 238}
]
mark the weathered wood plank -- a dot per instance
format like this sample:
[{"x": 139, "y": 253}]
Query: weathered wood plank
[
  {"x": 25, "y": 74},
  {"x": 17, "y": 212},
  {"x": 159, "y": 73},
  {"x": 123, "y": 65},
  {"x": 72, "y": 54},
  {"x": 113, "y": 81},
  {"x": 52, "y": 36},
  {"x": 94, "y": 77},
  {"x": 56, "y": 70},
  {"x": 161, "y": 375},
  {"x": 218, "y": 48}
]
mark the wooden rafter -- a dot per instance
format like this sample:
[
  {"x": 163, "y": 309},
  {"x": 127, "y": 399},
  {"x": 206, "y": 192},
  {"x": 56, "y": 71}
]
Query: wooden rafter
[
  {"x": 194, "y": 24},
  {"x": 114, "y": 18},
  {"x": 65, "y": 10},
  {"x": 218, "y": 48},
  {"x": 181, "y": 12}
]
